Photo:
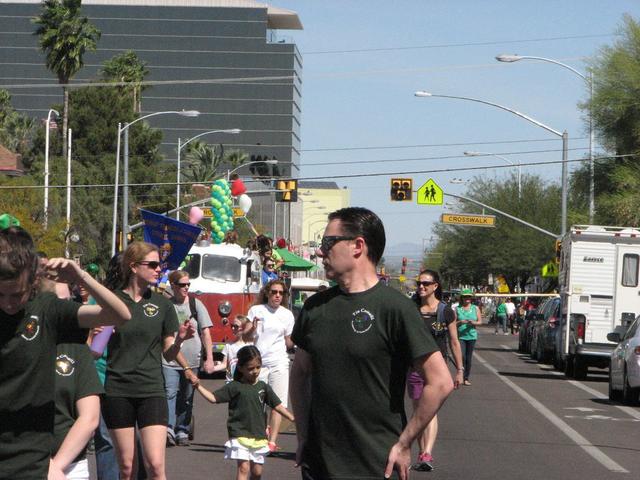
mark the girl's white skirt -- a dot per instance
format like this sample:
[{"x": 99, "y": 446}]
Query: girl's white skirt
[{"x": 236, "y": 451}]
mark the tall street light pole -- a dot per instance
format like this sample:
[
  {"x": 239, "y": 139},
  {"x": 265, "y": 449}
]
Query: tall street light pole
[
  {"x": 46, "y": 167},
  {"x": 125, "y": 196},
  {"x": 510, "y": 162},
  {"x": 232, "y": 131},
  {"x": 564, "y": 136},
  {"x": 589, "y": 81}
]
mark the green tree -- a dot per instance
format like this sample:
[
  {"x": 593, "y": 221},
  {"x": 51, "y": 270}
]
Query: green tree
[
  {"x": 26, "y": 204},
  {"x": 16, "y": 130},
  {"x": 65, "y": 37},
  {"x": 95, "y": 113},
  {"x": 616, "y": 118},
  {"x": 205, "y": 161},
  {"x": 467, "y": 255},
  {"x": 127, "y": 67}
]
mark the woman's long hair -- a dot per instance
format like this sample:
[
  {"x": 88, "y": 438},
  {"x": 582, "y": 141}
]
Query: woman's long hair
[
  {"x": 113, "y": 276},
  {"x": 263, "y": 297},
  {"x": 245, "y": 355},
  {"x": 436, "y": 278},
  {"x": 134, "y": 253}
]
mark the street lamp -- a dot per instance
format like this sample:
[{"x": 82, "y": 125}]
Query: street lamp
[
  {"x": 233, "y": 131},
  {"x": 271, "y": 161},
  {"x": 564, "y": 136},
  {"x": 510, "y": 162},
  {"x": 457, "y": 181},
  {"x": 46, "y": 167},
  {"x": 125, "y": 195},
  {"x": 309, "y": 238},
  {"x": 589, "y": 81}
]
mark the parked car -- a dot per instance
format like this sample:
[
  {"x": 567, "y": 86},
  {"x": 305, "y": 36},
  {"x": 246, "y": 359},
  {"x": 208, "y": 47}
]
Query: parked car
[
  {"x": 548, "y": 331},
  {"x": 526, "y": 330},
  {"x": 536, "y": 328},
  {"x": 624, "y": 369}
]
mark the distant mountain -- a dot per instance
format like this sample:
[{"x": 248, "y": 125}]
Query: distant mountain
[
  {"x": 403, "y": 250},
  {"x": 393, "y": 254}
]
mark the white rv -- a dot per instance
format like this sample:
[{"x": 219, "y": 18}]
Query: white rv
[{"x": 599, "y": 290}]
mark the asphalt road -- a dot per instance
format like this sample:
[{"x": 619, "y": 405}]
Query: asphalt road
[{"x": 519, "y": 420}]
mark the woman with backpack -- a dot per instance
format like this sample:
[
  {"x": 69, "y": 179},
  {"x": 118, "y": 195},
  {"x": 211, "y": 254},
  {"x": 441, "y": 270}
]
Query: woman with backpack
[
  {"x": 178, "y": 381},
  {"x": 440, "y": 319}
]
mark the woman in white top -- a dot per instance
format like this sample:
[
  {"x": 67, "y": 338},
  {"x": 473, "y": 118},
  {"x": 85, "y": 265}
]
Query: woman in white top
[{"x": 273, "y": 324}]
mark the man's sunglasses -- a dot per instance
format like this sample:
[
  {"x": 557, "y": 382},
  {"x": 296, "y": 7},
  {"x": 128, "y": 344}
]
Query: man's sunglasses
[
  {"x": 425, "y": 283},
  {"x": 329, "y": 241},
  {"x": 152, "y": 265},
  {"x": 276, "y": 292}
]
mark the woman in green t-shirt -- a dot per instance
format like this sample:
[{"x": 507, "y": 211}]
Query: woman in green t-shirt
[
  {"x": 469, "y": 317},
  {"x": 134, "y": 386}
]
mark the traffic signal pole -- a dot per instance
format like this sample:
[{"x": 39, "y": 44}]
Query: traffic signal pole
[{"x": 504, "y": 214}]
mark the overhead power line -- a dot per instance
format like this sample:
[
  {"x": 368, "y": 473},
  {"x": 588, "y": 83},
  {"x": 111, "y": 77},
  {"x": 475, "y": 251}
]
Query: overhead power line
[
  {"x": 463, "y": 44},
  {"x": 431, "y": 145},
  {"x": 446, "y": 157},
  {"x": 338, "y": 177}
]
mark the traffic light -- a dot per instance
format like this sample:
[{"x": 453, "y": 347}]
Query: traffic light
[
  {"x": 403, "y": 270},
  {"x": 287, "y": 191},
  {"x": 401, "y": 189},
  {"x": 558, "y": 250}
]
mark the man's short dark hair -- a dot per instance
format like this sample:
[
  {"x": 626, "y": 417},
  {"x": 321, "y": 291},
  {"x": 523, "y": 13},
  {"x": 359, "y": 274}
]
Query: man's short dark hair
[
  {"x": 361, "y": 222},
  {"x": 17, "y": 254}
]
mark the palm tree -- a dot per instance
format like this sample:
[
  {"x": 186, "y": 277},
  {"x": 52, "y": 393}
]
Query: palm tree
[
  {"x": 65, "y": 36},
  {"x": 127, "y": 68},
  {"x": 204, "y": 161}
]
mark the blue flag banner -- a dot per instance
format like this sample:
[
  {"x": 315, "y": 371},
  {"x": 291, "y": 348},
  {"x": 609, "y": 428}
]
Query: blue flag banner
[{"x": 173, "y": 237}]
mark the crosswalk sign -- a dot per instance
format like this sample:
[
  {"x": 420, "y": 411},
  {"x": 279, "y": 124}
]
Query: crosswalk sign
[
  {"x": 430, "y": 194},
  {"x": 550, "y": 269}
]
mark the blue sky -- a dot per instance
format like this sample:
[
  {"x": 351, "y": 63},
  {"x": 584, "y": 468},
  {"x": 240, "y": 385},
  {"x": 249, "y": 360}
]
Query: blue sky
[{"x": 356, "y": 102}]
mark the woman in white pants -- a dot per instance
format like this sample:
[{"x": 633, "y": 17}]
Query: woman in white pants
[{"x": 273, "y": 324}]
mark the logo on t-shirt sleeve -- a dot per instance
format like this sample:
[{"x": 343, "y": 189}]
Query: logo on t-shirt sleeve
[
  {"x": 65, "y": 366},
  {"x": 31, "y": 328},
  {"x": 361, "y": 320}
]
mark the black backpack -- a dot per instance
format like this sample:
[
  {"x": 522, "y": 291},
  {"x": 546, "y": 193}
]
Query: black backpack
[{"x": 192, "y": 308}]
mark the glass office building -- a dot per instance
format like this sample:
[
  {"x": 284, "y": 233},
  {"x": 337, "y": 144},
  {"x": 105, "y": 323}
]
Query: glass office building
[{"x": 224, "y": 58}]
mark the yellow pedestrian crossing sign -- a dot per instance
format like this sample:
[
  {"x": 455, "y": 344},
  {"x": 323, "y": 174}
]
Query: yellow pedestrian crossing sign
[
  {"x": 430, "y": 194},
  {"x": 550, "y": 269}
]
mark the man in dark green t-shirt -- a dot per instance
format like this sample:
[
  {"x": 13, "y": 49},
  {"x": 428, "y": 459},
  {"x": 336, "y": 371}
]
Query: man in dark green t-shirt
[
  {"x": 30, "y": 327},
  {"x": 356, "y": 343}
]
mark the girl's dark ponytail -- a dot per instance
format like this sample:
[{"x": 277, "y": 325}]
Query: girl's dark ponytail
[{"x": 245, "y": 355}]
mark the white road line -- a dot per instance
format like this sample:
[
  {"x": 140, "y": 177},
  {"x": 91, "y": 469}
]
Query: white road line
[
  {"x": 578, "y": 439},
  {"x": 628, "y": 410},
  {"x": 632, "y": 412}
]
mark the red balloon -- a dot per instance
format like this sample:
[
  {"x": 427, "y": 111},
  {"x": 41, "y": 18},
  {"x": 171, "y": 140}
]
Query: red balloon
[{"x": 238, "y": 188}]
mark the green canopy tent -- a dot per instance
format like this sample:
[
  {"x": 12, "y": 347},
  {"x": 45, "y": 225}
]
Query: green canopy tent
[{"x": 295, "y": 263}]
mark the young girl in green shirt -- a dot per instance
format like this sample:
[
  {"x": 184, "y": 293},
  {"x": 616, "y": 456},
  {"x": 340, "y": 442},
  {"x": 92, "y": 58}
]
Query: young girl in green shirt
[{"x": 247, "y": 396}]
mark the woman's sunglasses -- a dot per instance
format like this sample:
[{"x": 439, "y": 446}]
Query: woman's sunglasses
[
  {"x": 152, "y": 265},
  {"x": 425, "y": 283}
]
